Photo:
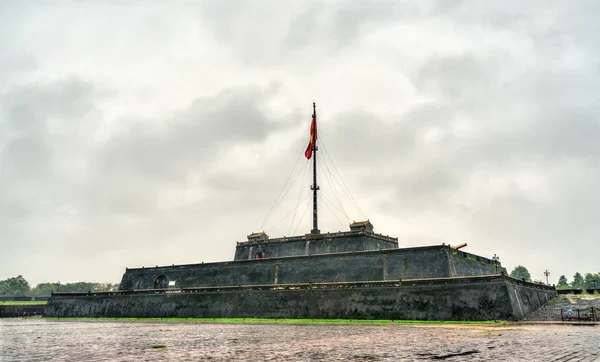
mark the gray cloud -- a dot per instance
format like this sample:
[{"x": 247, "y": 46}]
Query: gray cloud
[
  {"x": 342, "y": 24},
  {"x": 192, "y": 137},
  {"x": 275, "y": 34},
  {"x": 478, "y": 125},
  {"x": 42, "y": 124},
  {"x": 99, "y": 193},
  {"x": 526, "y": 145}
]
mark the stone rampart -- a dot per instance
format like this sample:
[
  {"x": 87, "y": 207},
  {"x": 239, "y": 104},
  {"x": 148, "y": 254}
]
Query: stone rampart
[
  {"x": 314, "y": 244},
  {"x": 469, "y": 298},
  {"x": 526, "y": 297},
  {"x": 463, "y": 264},
  {"x": 389, "y": 264},
  {"x": 11, "y": 311}
]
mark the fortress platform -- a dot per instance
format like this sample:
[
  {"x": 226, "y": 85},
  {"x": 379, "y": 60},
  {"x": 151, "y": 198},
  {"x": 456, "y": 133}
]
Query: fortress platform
[
  {"x": 282, "y": 278},
  {"x": 490, "y": 297}
]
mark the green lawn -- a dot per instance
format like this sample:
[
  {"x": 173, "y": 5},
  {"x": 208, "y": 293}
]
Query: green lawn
[
  {"x": 24, "y": 302},
  {"x": 274, "y": 321}
]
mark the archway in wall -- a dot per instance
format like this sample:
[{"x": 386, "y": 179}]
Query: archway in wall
[{"x": 162, "y": 282}]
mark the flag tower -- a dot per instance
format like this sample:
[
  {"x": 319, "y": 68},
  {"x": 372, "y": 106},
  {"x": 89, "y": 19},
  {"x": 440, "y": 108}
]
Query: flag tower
[{"x": 310, "y": 149}]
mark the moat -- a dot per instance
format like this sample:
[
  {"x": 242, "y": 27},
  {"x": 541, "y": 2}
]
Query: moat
[{"x": 42, "y": 340}]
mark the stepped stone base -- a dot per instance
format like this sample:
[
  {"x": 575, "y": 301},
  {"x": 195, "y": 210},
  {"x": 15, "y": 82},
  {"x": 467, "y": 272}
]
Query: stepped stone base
[{"x": 491, "y": 297}]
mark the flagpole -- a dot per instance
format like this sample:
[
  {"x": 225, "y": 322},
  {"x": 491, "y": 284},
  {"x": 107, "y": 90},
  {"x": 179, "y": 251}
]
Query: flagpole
[{"x": 314, "y": 186}]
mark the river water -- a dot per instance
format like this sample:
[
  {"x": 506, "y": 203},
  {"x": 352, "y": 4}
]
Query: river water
[{"x": 37, "y": 339}]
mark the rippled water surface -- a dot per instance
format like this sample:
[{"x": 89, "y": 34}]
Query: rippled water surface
[{"x": 43, "y": 340}]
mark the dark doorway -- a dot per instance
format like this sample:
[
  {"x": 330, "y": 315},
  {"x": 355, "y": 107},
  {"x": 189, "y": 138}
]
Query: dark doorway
[
  {"x": 258, "y": 255},
  {"x": 162, "y": 282}
]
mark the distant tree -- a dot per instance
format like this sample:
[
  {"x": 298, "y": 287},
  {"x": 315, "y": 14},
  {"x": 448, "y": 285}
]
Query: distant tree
[
  {"x": 15, "y": 287},
  {"x": 520, "y": 272},
  {"x": 109, "y": 286},
  {"x": 82, "y": 287},
  {"x": 578, "y": 281},
  {"x": 592, "y": 281},
  {"x": 44, "y": 289},
  {"x": 78, "y": 287},
  {"x": 562, "y": 282},
  {"x": 3, "y": 287}
]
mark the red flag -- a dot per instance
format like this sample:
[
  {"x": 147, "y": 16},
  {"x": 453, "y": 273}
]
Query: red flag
[{"x": 313, "y": 138}]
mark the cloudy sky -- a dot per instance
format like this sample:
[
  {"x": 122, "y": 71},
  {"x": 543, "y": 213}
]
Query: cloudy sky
[{"x": 144, "y": 133}]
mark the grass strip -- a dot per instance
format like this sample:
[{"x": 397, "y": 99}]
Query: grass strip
[
  {"x": 23, "y": 302},
  {"x": 270, "y": 321}
]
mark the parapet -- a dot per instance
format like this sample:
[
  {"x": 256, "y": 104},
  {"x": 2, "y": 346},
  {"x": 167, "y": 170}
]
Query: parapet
[{"x": 259, "y": 247}]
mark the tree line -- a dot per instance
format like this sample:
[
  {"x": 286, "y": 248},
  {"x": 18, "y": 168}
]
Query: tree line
[
  {"x": 19, "y": 287},
  {"x": 589, "y": 281}
]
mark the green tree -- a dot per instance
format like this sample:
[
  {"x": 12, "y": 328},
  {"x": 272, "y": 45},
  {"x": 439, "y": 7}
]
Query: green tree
[
  {"x": 78, "y": 287},
  {"x": 15, "y": 287},
  {"x": 578, "y": 282},
  {"x": 562, "y": 283},
  {"x": 44, "y": 289},
  {"x": 83, "y": 287},
  {"x": 592, "y": 281},
  {"x": 520, "y": 272}
]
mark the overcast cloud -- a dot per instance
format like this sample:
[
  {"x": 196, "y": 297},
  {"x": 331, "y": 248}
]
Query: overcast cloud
[{"x": 162, "y": 132}]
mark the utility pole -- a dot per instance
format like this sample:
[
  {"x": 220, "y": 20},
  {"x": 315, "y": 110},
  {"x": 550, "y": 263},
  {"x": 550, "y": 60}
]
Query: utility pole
[{"x": 546, "y": 273}]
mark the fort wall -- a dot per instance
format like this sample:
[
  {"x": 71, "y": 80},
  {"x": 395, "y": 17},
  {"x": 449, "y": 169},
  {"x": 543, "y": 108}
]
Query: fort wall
[
  {"x": 526, "y": 297},
  {"x": 464, "y": 264},
  {"x": 314, "y": 244},
  {"x": 12, "y": 311},
  {"x": 470, "y": 298},
  {"x": 381, "y": 265}
]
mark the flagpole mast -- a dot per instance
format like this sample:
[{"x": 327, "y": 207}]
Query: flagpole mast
[{"x": 314, "y": 186}]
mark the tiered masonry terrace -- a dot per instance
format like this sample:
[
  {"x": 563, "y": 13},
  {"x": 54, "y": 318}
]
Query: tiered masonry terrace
[
  {"x": 259, "y": 246},
  {"x": 339, "y": 234},
  {"x": 484, "y": 297}
]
